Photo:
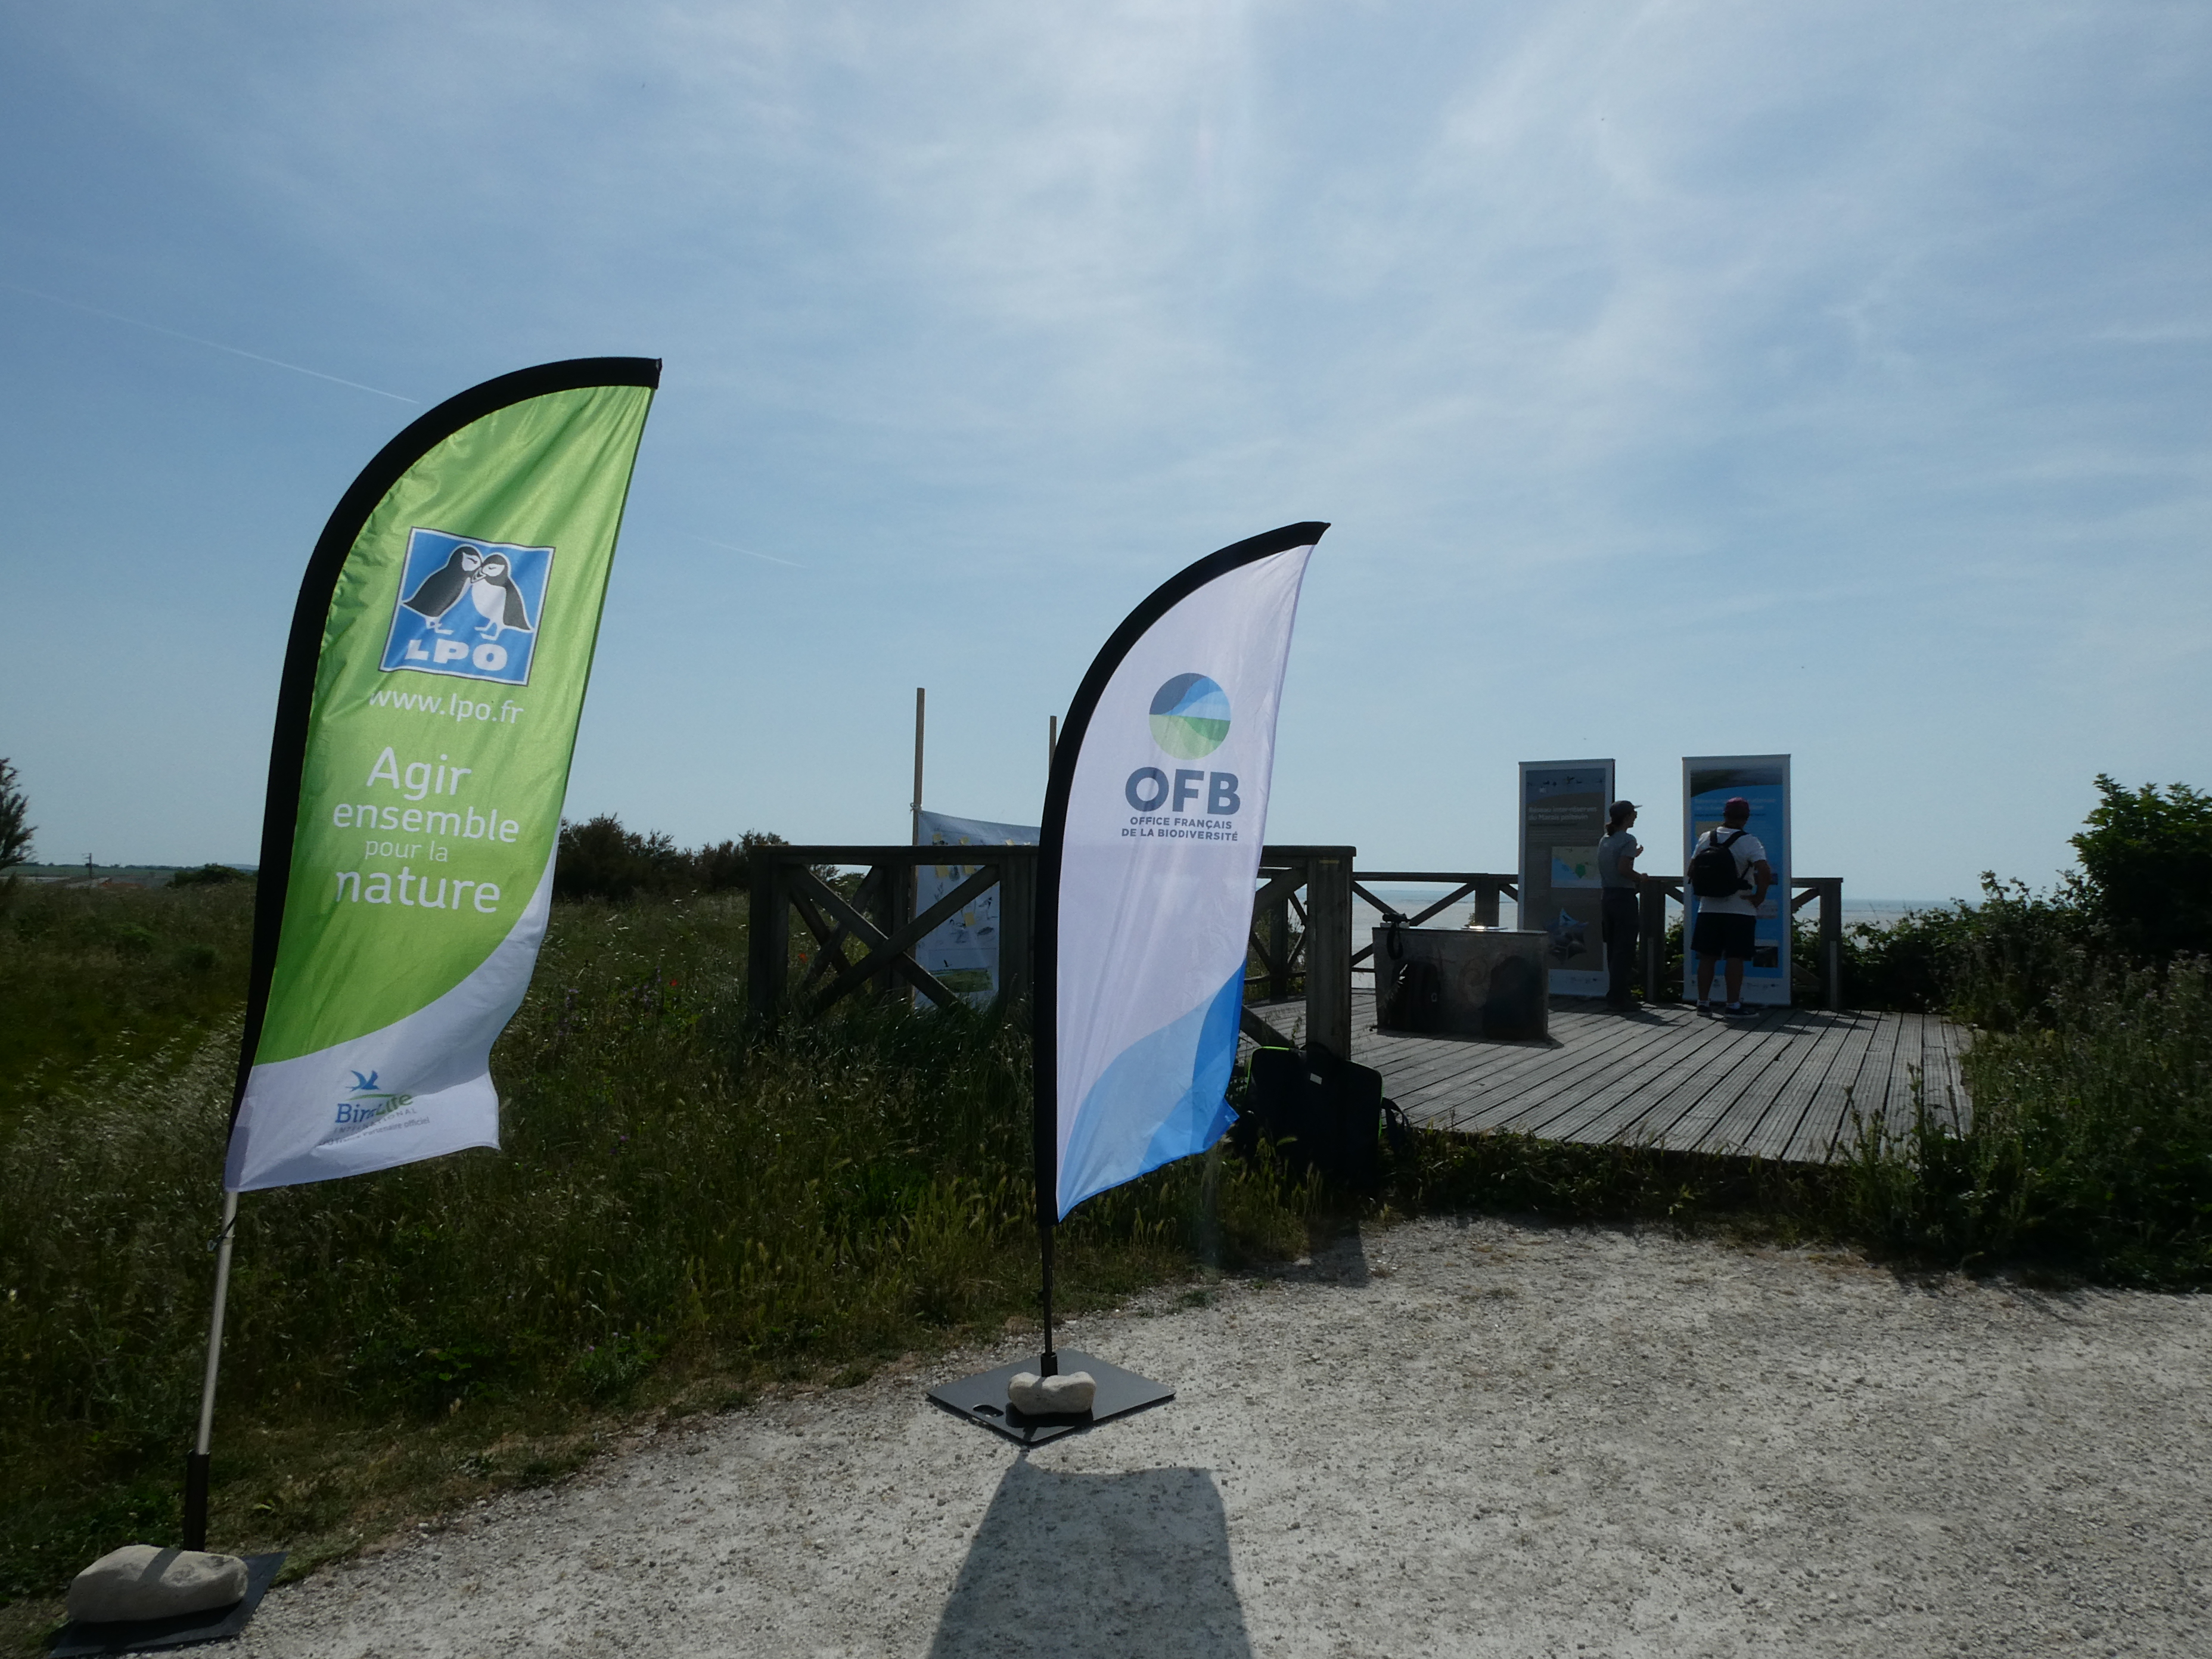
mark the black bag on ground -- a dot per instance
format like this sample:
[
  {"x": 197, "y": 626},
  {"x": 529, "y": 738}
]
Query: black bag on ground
[
  {"x": 1322, "y": 1112},
  {"x": 1412, "y": 996},
  {"x": 1712, "y": 867}
]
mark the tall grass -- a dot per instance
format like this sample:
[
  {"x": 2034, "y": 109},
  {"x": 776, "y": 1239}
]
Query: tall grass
[
  {"x": 674, "y": 1210},
  {"x": 2090, "y": 1147},
  {"x": 88, "y": 973}
]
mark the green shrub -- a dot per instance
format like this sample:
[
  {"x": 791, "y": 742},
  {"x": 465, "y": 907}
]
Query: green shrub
[
  {"x": 2090, "y": 1147},
  {"x": 208, "y": 875},
  {"x": 600, "y": 860},
  {"x": 2146, "y": 865},
  {"x": 1996, "y": 963}
]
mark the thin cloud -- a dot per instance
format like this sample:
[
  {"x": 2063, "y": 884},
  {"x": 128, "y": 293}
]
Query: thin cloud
[
  {"x": 731, "y": 547},
  {"x": 196, "y": 339}
]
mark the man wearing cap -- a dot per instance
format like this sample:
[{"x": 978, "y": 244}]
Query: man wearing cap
[
  {"x": 1618, "y": 913},
  {"x": 1725, "y": 924}
]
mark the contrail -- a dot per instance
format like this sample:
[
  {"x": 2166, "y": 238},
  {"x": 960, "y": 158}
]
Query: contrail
[
  {"x": 178, "y": 334},
  {"x": 728, "y": 548}
]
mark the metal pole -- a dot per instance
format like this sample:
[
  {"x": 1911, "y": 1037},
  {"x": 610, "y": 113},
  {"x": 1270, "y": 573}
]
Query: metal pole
[
  {"x": 921, "y": 701},
  {"x": 196, "y": 1465},
  {"x": 1048, "y": 1361},
  {"x": 1051, "y": 740}
]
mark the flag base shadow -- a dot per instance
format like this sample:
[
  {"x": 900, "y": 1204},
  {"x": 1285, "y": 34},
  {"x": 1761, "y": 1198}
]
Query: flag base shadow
[
  {"x": 82, "y": 1637},
  {"x": 1097, "y": 1566},
  {"x": 981, "y": 1398}
]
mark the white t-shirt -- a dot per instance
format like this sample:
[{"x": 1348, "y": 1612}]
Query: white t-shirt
[{"x": 1748, "y": 851}]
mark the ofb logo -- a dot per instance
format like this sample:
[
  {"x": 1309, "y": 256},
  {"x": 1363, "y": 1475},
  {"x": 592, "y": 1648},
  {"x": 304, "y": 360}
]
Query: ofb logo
[
  {"x": 1190, "y": 720},
  {"x": 1190, "y": 716},
  {"x": 467, "y": 607}
]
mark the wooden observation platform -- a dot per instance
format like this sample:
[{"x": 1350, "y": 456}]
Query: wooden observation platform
[{"x": 1790, "y": 1084}]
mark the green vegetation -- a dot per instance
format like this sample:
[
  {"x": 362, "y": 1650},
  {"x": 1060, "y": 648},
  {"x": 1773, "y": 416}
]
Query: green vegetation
[
  {"x": 678, "y": 1221},
  {"x": 15, "y": 831},
  {"x": 683, "y": 1216},
  {"x": 601, "y": 859},
  {"x": 114, "y": 976}
]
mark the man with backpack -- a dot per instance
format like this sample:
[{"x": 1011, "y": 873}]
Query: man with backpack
[{"x": 1729, "y": 874}]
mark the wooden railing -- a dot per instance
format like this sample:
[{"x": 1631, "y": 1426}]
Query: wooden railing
[
  {"x": 880, "y": 919},
  {"x": 1316, "y": 951},
  {"x": 1301, "y": 938},
  {"x": 1312, "y": 884},
  {"x": 1488, "y": 887}
]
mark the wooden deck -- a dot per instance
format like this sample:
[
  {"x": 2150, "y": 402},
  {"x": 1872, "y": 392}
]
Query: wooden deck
[{"x": 1788, "y": 1084}]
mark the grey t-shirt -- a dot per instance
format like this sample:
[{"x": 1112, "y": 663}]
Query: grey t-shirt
[{"x": 1609, "y": 858}]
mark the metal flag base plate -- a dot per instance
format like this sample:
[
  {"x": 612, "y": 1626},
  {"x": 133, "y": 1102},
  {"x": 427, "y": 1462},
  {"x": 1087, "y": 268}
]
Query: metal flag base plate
[
  {"x": 80, "y": 1638},
  {"x": 981, "y": 1398}
]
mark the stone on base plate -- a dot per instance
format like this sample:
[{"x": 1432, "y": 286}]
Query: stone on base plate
[
  {"x": 981, "y": 1398},
  {"x": 1066, "y": 1395},
  {"x": 144, "y": 1581},
  {"x": 82, "y": 1638}
]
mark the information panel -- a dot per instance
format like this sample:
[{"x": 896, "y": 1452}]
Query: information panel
[
  {"x": 1562, "y": 820},
  {"x": 963, "y": 953},
  {"x": 1708, "y": 781}
]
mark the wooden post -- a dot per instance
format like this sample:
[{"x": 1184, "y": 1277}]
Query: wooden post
[
  {"x": 879, "y": 893},
  {"x": 767, "y": 937},
  {"x": 1017, "y": 892},
  {"x": 1831, "y": 944},
  {"x": 1275, "y": 936},
  {"x": 1485, "y": 905},
  {"x": 1651, "y": 928},
  {"x": 920, "y": 703},
  {"x": 1328, "y": 950}
]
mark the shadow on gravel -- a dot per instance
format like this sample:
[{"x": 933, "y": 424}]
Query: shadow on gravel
[
  {"x": 1097, "y": 1566},
  {"x": 1342, "y": 1260}
]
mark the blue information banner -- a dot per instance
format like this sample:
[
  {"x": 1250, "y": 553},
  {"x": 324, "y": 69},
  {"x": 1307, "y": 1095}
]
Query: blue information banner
[{"x": 1708, "y": 783}]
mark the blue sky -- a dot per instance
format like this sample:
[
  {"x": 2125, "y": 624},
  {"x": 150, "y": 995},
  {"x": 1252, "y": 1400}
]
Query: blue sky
[{"x": 1680, "y": 379}]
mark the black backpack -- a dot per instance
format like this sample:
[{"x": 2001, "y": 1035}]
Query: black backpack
[
  {"x": 1712, "y": 868},
  {"x": 1321, "y": 1112}
]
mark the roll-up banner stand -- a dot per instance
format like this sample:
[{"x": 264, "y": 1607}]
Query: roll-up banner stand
[
  {"x": 1154, "y": 820},
  {"x": 1708, "y": 781},
  {"x": 1563, "y": 804},
  {"x": 425, "y": 719}
]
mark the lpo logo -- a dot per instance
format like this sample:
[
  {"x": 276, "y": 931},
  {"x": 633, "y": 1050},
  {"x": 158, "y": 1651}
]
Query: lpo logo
[
  {"x": 1189, "y": 721},
  {"x": 468, "y": 608}
]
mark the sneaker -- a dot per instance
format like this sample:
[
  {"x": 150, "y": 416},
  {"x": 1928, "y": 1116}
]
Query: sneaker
[
  {"x": 1736, "y": 1011},
  {"x": 1705, "y": 1007}
]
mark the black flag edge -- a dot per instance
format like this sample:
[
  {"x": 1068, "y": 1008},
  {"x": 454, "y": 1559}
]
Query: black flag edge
[
  {"x": 1044, "y": 1041},
  {"x": 295, "y": 689}
]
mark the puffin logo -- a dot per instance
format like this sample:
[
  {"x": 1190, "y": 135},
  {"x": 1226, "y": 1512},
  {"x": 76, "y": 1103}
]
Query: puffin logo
[
  {"x": 1190, "y": 720},
  {"x": 468, "y": 608}
]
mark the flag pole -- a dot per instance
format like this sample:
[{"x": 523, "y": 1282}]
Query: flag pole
[
  {"x": 196, "y": 1463},
  {"x": 921, "y": 705}
]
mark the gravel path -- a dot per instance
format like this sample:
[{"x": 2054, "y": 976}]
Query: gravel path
[{"x": 1450, "y": 1438}]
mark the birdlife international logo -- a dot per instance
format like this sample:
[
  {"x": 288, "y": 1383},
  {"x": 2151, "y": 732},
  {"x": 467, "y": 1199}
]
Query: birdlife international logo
[
  {"x": 1190, "y": 716},
  {"x": 468, "y": 608}
]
